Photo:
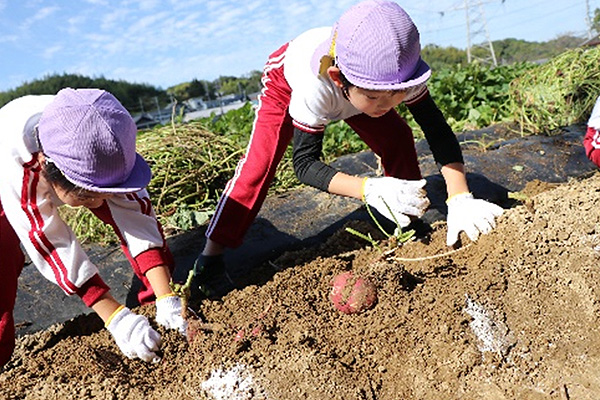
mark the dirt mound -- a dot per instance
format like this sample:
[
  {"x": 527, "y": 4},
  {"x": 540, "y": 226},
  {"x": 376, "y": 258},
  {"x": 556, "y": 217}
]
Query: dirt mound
[{"x": 514, "y": 315}]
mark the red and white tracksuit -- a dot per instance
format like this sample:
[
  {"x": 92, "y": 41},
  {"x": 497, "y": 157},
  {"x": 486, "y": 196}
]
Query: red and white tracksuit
[
  {"x": 591, "y": 141},
  {"x": 29, "y": 216},
  {"x": 294, "y": 96}
]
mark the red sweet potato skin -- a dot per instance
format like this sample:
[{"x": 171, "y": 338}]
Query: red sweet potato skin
[{"x": 352, "y": 294}]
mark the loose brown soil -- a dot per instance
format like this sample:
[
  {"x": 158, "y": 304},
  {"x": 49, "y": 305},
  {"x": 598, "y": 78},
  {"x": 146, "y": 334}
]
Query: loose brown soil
[{"x": 513, "y": 316}]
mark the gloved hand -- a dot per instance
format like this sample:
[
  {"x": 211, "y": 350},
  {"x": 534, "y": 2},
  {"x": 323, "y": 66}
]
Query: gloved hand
[
  {"x": 134, "y": 335},
  {"x": 403, "y": 197},
  {"x": 211, "y": 279},
  {"x": 168, "y": 313},
  {"x": 474, "y": 216}
]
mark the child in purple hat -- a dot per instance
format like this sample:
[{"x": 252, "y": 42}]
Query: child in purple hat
[
  {"x": 358, "y": 71},
  {"x": 78, "y": 148}
]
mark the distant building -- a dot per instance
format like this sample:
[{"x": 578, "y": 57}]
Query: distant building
[
  {"x": 595, "y": 41},
  {"x": 196, "y": 104},
  {"x": 145, "y": 121}
]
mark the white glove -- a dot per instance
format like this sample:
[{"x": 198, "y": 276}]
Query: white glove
[
  {"x": 403, "y": 197},
  {"x": 474, "y": 216},
  {"x": 134, "y": 335},
  {"x": 168, "y": 313}
]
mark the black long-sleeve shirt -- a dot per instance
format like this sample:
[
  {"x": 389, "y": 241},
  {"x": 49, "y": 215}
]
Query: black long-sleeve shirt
[{"x": 307, "y": 148}]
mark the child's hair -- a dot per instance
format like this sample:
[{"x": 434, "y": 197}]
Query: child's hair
[
  {"x": 54, "y": 176},
  {"x": 346, "y": 85}
]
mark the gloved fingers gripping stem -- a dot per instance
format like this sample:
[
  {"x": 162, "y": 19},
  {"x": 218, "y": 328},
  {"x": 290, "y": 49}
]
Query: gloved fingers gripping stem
[
  {"x": 396, "y": 199},
  {"x": 168, "y": 313}
]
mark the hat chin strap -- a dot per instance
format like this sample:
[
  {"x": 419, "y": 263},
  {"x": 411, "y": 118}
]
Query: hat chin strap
[
  {"x": 328, "y": 60},
  {"x": 324, "y": 64}
]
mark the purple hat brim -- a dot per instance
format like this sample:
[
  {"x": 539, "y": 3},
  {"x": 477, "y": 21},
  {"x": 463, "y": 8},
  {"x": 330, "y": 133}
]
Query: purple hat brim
[
  {"x": 321, "y": 50},
  {"x": 139, "y": 178},
  {"x": 421, "y": 75}
]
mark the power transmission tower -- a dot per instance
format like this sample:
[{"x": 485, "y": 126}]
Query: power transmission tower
[
  {"x": 478, "y": 35},
  {"x": 588, "y": 19}
]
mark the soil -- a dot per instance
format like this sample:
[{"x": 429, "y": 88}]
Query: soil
[{"x": 514, "y": 315}]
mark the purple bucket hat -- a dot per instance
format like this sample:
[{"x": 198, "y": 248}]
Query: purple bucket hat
[
  {"x": 90, "y": 137},
  {"x": 376, "y": 46}
]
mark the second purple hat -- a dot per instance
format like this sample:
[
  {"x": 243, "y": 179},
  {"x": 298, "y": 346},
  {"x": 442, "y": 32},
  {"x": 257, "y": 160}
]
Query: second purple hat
[
  {"x": 91, "y": 137},
  {"x": 376, "y": 46}
]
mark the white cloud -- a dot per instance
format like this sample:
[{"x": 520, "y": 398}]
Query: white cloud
[
  {"x": 40, "y": 15},
  {"x": 144, "y": 5},
  {"x": 49, "y": 52},
  {"x": 114, "y": 19},
  {"x": 97, "y": 2},
  {"x": 75, "y": 23},
  {"x": 9, "y": 39},
  {"x": 148, "y": 24}
]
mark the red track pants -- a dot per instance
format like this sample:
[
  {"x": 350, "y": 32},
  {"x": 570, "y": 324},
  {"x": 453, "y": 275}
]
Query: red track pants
[
  {"x": 388, "y": 136},
  {"x": 10, "y": 269}
]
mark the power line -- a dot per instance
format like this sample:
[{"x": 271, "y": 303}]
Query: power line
[
  {"x": 571, "y": 4},
  {"x": 514, "y": 22}
]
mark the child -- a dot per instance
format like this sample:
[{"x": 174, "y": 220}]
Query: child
[
  {"x": 78, "y": 148},
  {"x": 358, "y": 71},
  {"x": 591, "y": 141}
]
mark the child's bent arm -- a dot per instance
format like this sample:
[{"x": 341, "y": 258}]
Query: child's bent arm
[
  {"x": 159, "y": 278},
  {"x": 456, "y": 180},
  {"x": 105, "y": 306},
  {"x": 346, "y": 185}
]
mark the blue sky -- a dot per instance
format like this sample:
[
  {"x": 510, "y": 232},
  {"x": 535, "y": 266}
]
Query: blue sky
[{"x": 166, "y": 42}]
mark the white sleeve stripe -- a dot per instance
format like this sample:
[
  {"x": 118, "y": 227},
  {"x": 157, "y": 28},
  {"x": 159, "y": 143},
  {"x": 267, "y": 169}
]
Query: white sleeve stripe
[
  {"x": 36, "y": 234},
  {"x": 307, "y": 128},
  {"x": 596, "y": 140},
  {"x": 144, "y": 202}
]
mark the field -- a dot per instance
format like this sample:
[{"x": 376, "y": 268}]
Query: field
[{"x": 514, "y": 315}]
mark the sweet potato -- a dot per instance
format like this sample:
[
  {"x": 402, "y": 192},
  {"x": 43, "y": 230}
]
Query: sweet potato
[{"x": 352, "y": 294}]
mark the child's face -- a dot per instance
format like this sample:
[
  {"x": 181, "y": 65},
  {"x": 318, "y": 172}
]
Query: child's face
[
  {"x": 374, "y": 103},
  {"x": 83, "y": 198}
]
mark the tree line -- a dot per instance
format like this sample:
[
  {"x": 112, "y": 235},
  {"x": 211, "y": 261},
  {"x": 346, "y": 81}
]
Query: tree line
[
  {"x": 507, "y": 51},
  {"x": 139, "y": 97}
]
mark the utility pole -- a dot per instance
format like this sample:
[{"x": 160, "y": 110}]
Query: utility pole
[
  {"x": 158, "y": 109},
  {"x": 588, "y": 18},
  {"x": 477, "y": 32},
  {"x": 468, "y": 31}
]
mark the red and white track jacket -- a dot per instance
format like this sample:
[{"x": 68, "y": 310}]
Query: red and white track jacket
[{"x": 31, "y": 205}]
